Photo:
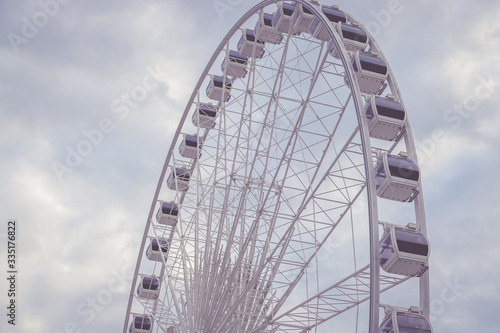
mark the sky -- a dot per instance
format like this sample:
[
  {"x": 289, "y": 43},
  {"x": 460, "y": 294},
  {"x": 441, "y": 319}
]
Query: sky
[{"x": 68, "y": 69}]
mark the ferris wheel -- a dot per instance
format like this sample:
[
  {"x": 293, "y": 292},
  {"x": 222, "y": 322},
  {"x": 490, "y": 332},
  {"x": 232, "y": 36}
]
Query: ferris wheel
[{"x": 290, "y": 199}]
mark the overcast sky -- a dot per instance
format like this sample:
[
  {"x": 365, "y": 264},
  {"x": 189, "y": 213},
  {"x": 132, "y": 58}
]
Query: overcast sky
[{"x": 65, "y": 67}]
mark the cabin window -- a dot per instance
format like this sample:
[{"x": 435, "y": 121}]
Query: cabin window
[
  {"x": 150, "y": 283},
  {"x": 181, "y": 174},
  {"x": 192, "y": 141},
  {"x": 354, "y": 65},
  {"x": 389, "y": 108},
  {"x": 143, "y": 323},
  {"x": 251, "y": 36},
  {"x": 369, "y": 111},
  {"x": 386, "y": 248},
  {"x": 170, "y": 209},
  {"x": 218, "y": 82},
  {"x": 353, "y": 33},
  {"x": 412, "y": 323},
  {"x": 306, "y": 11},
  {"x": 380, "y": 170},
  {"x": 268, "y": 19},
  {"x": 288, "y": 9},
  {"x": 387, "y": 327},
  {"x": 411, "y": 242},
  {"x": 238, "y": 58},
  {"x": 334, "y": 15},
  {"x": 373, "y": 64},
  {"x": 207, "y": 110},
  {"x": 156, "y": 247},
  {"x": 403, "y": 168}
]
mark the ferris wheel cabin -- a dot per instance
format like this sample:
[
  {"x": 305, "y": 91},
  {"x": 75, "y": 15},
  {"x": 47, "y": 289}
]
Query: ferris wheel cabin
[
  {"x": 353, "y": 37},
  {"x": 141, "y": 324},
  {"x": 249, "y": 45},
  {"x": 157, "y": 249},
  {"x": 190, "y": 146},
  {"x": 219, "y": 88},
  {"x": 265, "y": 31},
  {"x": 318, "y": 30},
  {"x": 168, "y": 213},
  {"x": 149, "y": 287},
  {"x": 178, "y": 179},
  {"x": 283, "y": 17},
  {"x": 235, "y": 64},
  {"x": 302, "y": 18},
  {"x": 398, "y": 321},
  {"x": 371, "y": 72},
  {"x": 204, "y": 115},
  {"x": 397, "y": 178},
  {"x": 404, "y": 251},
  {"x": 386, "y": 117}
]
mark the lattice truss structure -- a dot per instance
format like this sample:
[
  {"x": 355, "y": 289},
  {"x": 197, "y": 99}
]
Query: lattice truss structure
[{"x": 273, "y": 221}]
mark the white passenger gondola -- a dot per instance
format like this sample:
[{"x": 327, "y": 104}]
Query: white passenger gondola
[
  {"x": 178, "y": 179},
  {"x": 190, "y": 146},
  {"x": 235, "y": 64},
  {"x": 157, "y": 249},
  {"x": 204, "y": 115},
  {"x": 141, "y": 324},
  {"x": 318, "y": 30},
  {"x": 168, "y": 212},
  {"x": 371, "y": 72},
  {"x": 249, "y": 45},
  {"x": 265, "y": 31},
  {"x": 149, "y": 287},
  {"x": 398, "y": 321},
  {"x": 404, "y": 251},
  {"x": 397, "y": 178},
  {"x": 283, "y": 17},
  {"x": 386, "y": 117},
  {"x": 353, "y": 37},
  {"x": 302, "y": 18},
  {"x": 219, "y": 88}
]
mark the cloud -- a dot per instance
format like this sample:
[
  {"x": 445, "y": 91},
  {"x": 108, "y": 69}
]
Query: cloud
[{"x": 77, "y": 234}]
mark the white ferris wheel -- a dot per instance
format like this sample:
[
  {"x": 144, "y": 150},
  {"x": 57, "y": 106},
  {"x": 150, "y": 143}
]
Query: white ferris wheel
[{"x": 290, "y": 199}]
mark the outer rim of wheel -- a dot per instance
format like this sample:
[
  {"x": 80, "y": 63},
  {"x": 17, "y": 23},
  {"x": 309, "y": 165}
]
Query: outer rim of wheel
[{"x": 367, "y": 155}]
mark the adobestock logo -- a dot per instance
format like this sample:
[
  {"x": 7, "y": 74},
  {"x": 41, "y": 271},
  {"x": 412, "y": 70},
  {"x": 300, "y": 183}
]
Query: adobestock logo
[
  {"x": 448, "y": 295},
  {"x": 30, "y": 28},
  {"x": 456, "y": 115},
  {"x": 383, "y": 17},
  {"x": 120, "y": 107},
  {"x": 223, "y": 6},
  {"x": 95, "y": 304}
]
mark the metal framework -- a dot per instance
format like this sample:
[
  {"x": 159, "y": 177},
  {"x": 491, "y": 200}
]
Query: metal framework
[{"x": 281, "y": 203}]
